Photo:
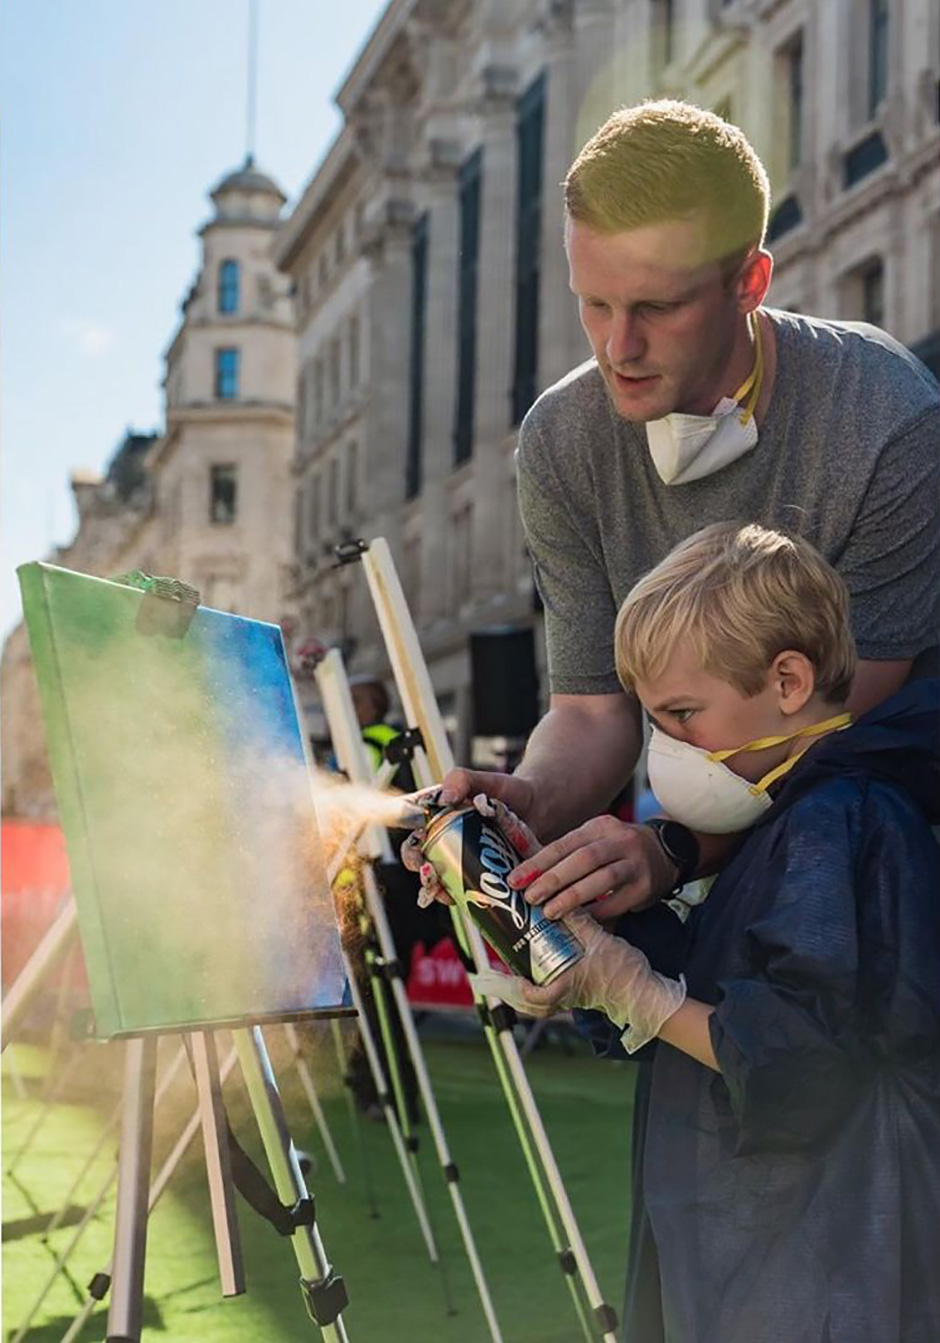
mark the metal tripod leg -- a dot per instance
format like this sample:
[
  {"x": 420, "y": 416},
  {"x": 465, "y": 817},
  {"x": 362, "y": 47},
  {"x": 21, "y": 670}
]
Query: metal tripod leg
[
  {"x": 125, "y": 1315},
  {"x": 113, "y": 1120},
  {"x": 313, "y": 1100},
  {"x": 16, "y": 1077},
  {"x": 391, "y": 1119},
  {"x": 324, "y": 1293},
  {"x": 52, "y": 1094},
  {"x": 355, "y": 1119},
  {"x": 53, "y": 946}
]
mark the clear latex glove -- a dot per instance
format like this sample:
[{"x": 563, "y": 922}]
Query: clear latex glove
[
  {"x": 515, "y": 830},
  {"x": 612, "y": 977}
]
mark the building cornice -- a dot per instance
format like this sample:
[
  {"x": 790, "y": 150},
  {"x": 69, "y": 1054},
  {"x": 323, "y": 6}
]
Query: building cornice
[
  {"x": 377, "y": 46},
  {"x": 332, "y": 174},
  {"x": 279, "y": 413}
]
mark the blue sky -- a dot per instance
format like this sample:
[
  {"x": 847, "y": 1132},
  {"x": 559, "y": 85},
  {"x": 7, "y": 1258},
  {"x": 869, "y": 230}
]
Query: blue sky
[{"x": 117, "y": 117}]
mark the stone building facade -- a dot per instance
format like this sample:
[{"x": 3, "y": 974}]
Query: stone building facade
[
  {"x": 430, "y": 282},
  {"x": 206, "y": 500}
]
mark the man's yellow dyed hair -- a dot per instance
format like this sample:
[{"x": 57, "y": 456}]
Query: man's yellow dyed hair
[{"x": 665, "y": 160}]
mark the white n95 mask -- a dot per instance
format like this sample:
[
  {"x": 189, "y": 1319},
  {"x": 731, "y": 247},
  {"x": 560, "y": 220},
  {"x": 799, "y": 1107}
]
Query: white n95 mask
[
  {"x": 696, "y": 787},
  {"x": 687, "y": 447}
]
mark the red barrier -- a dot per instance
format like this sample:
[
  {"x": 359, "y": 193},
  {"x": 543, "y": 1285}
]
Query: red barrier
[
  {"x": 437, "y": 977},
  {"x": 35, "y": 884}
]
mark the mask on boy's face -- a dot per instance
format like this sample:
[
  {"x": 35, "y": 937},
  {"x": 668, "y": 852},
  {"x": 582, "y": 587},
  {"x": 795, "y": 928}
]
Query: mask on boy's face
[{"x": 694, "y": 786}]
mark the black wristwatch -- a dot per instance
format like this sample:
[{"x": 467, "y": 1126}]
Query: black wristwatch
[{"x": 679, "y": 845}]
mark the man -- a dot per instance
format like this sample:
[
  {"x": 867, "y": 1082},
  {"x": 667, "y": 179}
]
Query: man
[{"x": 698, "y": 405}]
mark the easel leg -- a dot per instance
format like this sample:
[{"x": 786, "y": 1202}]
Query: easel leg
[
  {"x": 130, "y": 1225},
  {"x": 218, "y": 1165},
  {"x": 324, "y": 1292}
]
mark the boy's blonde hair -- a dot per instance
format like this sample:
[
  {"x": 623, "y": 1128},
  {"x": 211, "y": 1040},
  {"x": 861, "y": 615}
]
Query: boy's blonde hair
[
  {"x": 665, "y": 160},
  {"x": 734, "y": 596}
]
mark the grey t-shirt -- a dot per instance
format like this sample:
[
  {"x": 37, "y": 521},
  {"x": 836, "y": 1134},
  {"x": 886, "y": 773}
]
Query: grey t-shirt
[{"x": 848, "y": 456}]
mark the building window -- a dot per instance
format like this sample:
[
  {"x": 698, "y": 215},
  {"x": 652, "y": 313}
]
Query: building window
[
  {"x": 873, "y": 292},
  {"x": 419, "y": 288},
  {"x": 314, "y": 512},
  {"x": 529, "y": 136},
  {"x": 223, "y": 493},
  {"x": 877, "y": 54},
  {"x": 354, "y": 352},
  {"x": 340, "y": 244},
  {"x": 664, "y": 31},
  {"x": 352, "y": 479},
  {"x": 335, "y": 362},
  {"x": 226, "y": 373},
  {"x": 322, "y": 273},
  {"x": 863, "y": 292},
  {"x": 470, "y": 187},
  {"x": 228, "y": 286},
  {"x": 303, "y": 408},
  {"x": 794, "y": 58},
  {"x": 299, "y": 522},
  {"x": 411, "y": 574},
  {"x": 461, "y": 555},
  {"x": 332, "y": 498},
  {"x": 317, "y": 392}
]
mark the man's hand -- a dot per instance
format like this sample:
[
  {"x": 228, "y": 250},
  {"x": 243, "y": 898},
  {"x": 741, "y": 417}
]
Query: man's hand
[
  {"x": 606, "y": 866},
  {"x": 460, "y": 785},
  {"x": 517, "y": 832}
]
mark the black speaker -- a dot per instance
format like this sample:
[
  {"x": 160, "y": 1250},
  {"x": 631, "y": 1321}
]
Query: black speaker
[{"x": 505, "y": 683}]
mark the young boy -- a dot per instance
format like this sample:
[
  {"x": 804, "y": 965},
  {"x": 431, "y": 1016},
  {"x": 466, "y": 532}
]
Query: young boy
[{"x": 792, "y": 1163}]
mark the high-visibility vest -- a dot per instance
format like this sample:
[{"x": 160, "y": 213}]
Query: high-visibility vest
[{"x": 376, "y": 737}]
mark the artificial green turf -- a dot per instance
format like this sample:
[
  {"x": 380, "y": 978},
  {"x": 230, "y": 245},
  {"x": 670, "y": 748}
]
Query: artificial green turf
[{"x": 395, "y": 1294}]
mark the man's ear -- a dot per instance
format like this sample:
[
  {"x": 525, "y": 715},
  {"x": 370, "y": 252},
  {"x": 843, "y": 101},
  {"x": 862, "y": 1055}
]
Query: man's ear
[
  {"x": 793, "y": 679},
  {"x": 753, "y": 280}
]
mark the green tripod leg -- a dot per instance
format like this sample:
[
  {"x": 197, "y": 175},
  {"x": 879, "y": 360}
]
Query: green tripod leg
[
  {"x": 376, "y": 969},
  {"x": 354, "y": 1117}
]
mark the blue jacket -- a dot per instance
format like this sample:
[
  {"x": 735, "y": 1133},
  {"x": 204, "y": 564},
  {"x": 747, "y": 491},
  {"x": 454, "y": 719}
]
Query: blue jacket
[{"x": 794, "y": 1197}]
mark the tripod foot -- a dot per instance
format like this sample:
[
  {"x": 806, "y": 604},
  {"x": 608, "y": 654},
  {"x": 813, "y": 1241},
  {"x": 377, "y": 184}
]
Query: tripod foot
[{"x": 325, "y": 1300}]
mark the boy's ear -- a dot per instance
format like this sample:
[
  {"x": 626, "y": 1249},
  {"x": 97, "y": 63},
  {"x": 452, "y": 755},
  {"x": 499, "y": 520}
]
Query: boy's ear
[{"x": 793, "y": 677}]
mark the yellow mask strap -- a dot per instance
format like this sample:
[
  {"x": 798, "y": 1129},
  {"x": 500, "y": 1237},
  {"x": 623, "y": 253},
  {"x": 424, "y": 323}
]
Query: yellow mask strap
[
  {"x": 835, "y": 724},
  {"x": 752, "y": 383}
]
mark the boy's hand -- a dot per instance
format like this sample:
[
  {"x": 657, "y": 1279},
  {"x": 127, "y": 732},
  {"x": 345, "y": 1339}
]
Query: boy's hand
[
  {"x": 612, "y": 977},
  {"x": 606, "y": 866}
]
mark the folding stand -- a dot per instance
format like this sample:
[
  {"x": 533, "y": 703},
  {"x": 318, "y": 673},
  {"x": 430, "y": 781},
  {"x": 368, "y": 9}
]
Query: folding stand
[
  {"x": 432, "y": 761},
  {"x": 323, "y": 1290}
]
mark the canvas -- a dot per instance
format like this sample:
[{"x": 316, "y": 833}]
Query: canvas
[{"x": 184, "y": 794}]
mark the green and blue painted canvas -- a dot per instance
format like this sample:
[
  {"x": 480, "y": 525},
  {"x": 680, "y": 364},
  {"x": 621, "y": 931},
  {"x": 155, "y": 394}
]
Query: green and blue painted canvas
[{"x": 184, "y": 794}]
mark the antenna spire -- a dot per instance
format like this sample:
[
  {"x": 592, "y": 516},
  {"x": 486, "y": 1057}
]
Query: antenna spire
[{"x": 252, "y": 81}]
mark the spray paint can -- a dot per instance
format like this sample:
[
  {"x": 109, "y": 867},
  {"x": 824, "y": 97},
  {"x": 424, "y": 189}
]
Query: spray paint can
[{"x": 473, "y": 857}]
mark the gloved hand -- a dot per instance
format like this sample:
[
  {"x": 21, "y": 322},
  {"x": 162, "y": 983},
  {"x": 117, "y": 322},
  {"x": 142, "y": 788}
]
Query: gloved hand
[
  {"x": 516, "y": 831},
  {"x": 612, "y": 977}
]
